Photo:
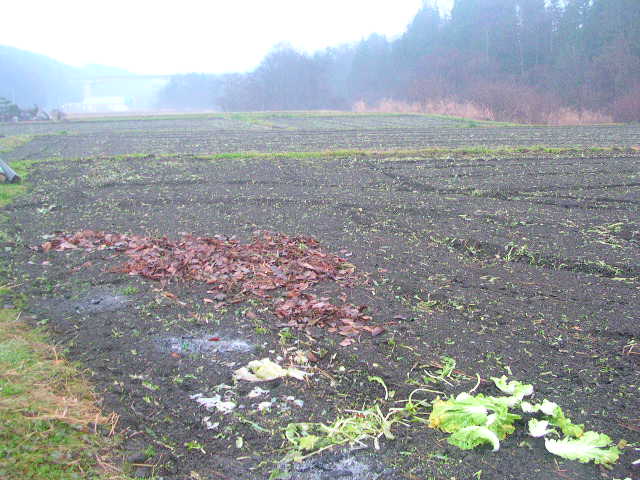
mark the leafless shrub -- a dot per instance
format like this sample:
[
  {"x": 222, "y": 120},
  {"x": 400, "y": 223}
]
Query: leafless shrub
[
  {"x": 447, "y": 106},
  {"x": 455, "y": 108},
  {"x": 506, "y": 101},
  {"x": 568, "y": 116},
  {"x": 627, "y": 107}
]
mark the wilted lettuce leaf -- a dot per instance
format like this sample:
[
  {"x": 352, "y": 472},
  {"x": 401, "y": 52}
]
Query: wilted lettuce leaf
[
  {"x": 569, "y": 428},
  {"x": 516, "y": 389},
  {"x": 470, "y": 437},
  {"x": 453, "y": 414},
  {"x": 555, "y": 416},
  {"x": 539, "y": 428},
  {"x": 502, "y": 423},
  {"x": 546, "y": 407},
  {"x": 475, "y": 420},
  {"x": 466, "y": 410},
  {"x": 591, "y": 446}
]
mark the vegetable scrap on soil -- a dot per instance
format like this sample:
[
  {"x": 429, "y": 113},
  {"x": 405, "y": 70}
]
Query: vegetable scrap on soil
[
  {"x": 265, "y": 370},
  {"x": 270, "y": 262},
  {"x": 467, "y": 417}
]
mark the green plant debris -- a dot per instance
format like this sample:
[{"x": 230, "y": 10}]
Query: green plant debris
[
  {"x": 474, "y": 420},
  {"x": 10, "y": 143},
  {"x": 467, "y": 410},
  {"x": 591, "y": 446},
  {"x": 470, "y": 437},
  {"x": 9, "y": 191},
  {"x": 308, "y": 439},
  {"x": 265, "y": 370}
]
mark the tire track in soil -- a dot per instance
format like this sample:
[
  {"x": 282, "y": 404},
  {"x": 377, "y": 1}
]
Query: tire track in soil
[
  {"x": 413, "y": 185},
  {"x": 475, "y": 248},
  {"x": 167, "y": 183}
]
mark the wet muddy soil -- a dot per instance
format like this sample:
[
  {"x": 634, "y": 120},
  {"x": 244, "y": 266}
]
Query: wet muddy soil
[{"x": 526, "y": 266}]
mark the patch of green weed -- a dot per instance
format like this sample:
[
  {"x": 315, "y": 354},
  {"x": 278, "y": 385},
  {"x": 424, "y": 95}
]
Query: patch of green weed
[
  {"x": 10, "y": 143},
  {"x": 46, "y": 409}
]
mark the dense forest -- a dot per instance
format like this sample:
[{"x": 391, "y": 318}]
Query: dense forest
[
  {"x": 520, "y": 60},
  {"x": 545, "y": 61}
]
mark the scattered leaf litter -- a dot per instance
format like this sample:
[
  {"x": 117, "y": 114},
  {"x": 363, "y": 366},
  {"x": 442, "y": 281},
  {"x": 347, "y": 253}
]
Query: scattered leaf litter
[{"x": 232, "y": 269}]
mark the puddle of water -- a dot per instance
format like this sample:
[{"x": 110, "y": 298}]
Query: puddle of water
[
  {"x": 339, "y": 466},
  {"x": 100, "y": 302},
  {"x": 204, "y": 344}
]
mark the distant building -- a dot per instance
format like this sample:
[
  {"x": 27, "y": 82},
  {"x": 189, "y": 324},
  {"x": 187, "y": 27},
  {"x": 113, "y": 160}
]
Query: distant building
[{"x": 97, "y": 105}]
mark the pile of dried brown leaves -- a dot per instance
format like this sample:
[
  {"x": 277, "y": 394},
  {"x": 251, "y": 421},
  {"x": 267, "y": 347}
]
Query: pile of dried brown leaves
[{"x": 271, "y": 261}]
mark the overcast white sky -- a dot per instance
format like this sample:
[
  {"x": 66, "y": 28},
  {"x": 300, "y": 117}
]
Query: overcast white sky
[{"x": 180, "y": 36}]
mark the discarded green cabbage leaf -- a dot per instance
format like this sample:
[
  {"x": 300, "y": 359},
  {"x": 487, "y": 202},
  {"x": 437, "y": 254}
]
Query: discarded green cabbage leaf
[
  {"x": 470, "y": 437},
  {"x": 516, "y": 389},
  {"x": 474, "y": 420},
  {"x": 546, "y": 407},
  {"x": 565, "y": 424},
  {"x": 502, "y": 423},
  {"x": 591, "y": 446},
  {"x": 539, "y": 428},
  {"x": 555, "y": 416},
  {"x": 265, "y": 370},
  {"x": 453, "y": 414},
  {"x": 466, "y": 410}
]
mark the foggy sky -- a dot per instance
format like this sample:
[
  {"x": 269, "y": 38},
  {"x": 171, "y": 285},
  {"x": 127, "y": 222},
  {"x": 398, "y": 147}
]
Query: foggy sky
[{"x": 212, "y": 36}]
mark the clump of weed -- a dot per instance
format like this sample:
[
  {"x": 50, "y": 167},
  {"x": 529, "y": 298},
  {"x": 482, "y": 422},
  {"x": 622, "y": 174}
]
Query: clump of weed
[
  {"x": 10, "y": 143},
  {"x": 47, "y": 411}
]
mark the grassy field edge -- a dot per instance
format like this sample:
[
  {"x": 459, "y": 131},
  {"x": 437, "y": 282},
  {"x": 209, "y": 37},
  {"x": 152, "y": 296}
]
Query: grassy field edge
[{"x": 50, "y": 424}]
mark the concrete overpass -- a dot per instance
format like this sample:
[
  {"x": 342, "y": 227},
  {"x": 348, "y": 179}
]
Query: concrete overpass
[
  {"x": 89, "y": 84},
  {"x": 117, "y": 93}
]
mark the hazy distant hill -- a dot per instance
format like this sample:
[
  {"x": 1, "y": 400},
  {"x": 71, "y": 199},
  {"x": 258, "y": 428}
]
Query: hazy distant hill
[{"x": 28, "y": 78}]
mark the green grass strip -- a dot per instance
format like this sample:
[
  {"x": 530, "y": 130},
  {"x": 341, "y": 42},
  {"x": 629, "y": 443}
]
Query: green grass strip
[
  {"x": 416, "y": 154},
  {"x": 437, "y": 152},
  {"x": 10, "y": 143},
  {"x": 260, "y": 117},
  {"x": 9, "y": 191},
  {"x": 47, "y": 410}
]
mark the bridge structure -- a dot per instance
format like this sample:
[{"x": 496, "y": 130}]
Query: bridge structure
[
  {"x": 88, "y": 84},
  {"x": 117, "y": 93}
]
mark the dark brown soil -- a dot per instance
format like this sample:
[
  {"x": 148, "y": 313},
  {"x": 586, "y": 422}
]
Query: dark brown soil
[
  {"x": 225, "y": 133},
  {"x": 529, "y": 266}
]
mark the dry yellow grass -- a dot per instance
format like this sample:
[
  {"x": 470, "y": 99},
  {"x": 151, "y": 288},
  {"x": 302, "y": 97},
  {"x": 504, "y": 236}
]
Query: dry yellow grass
[
  {"x": 473, "y": 111},
  {"x": 48, "y": 411}
]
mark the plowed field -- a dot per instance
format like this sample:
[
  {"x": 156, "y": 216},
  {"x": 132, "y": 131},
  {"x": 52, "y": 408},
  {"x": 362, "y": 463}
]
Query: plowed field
[{"x": 492, "y": 261}]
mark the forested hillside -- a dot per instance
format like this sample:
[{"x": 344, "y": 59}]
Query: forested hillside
[
  {"x": 29, "y": 79},
  {"x": 522, "y": 60},
  {"x": 542, "y": 61}
]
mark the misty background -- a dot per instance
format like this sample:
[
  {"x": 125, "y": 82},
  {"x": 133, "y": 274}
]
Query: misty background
[{"x": 542, "y": 61}]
